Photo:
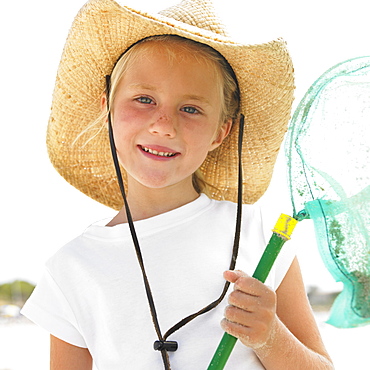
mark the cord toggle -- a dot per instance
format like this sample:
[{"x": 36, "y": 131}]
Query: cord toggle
[{"x": 168, "y": 345}]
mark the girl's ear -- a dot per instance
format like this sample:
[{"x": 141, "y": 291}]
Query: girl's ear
[
  {"x": 103, "y": 102},
  {"x": 223, "y": 131}
]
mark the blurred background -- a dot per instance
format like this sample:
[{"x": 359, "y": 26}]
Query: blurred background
[{"x": 40, "y": 212}]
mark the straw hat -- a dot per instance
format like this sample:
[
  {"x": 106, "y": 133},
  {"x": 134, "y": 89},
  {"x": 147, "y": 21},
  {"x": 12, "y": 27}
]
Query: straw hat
[{"x": 101, "y": 32}]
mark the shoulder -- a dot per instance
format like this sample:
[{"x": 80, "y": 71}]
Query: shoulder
[
  {"x": 252, "y": 215},
  {"x": 248, "y": 210},
  {"x": 83, "y": 247}
]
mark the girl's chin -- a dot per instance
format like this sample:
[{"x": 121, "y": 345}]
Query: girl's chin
[{"x": 158, "y": 183}]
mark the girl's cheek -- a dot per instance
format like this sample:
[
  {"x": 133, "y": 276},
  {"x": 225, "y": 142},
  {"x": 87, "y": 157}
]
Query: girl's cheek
[{"x": 130, "y": 117}]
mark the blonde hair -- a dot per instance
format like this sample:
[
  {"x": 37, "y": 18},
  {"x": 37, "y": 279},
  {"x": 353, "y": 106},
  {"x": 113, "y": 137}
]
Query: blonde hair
[{"x": 225, "y": 78}]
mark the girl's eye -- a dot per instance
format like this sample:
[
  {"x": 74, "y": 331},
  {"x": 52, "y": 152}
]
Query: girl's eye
[
  {"x": 144, "y": 100},
  {"x": 190, "y": 110}
]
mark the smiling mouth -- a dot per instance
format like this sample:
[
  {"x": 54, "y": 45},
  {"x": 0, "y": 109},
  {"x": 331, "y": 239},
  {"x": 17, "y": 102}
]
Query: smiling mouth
[{"x": 159, "y": 154}]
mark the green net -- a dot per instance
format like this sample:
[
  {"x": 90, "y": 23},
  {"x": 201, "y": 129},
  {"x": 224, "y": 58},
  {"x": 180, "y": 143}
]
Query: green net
[{"x": 328, "y": 153}]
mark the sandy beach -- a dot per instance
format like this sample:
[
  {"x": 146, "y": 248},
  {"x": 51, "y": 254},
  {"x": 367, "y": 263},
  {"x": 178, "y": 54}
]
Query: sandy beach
[{"x": 24, "y": 346}]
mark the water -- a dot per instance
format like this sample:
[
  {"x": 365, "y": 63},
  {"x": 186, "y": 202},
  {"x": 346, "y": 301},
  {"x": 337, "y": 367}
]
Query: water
[{"x": 24, "y": 346}]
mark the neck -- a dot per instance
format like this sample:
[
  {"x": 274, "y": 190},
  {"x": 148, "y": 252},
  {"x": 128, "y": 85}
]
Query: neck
[{"x": 147, "y": 202}]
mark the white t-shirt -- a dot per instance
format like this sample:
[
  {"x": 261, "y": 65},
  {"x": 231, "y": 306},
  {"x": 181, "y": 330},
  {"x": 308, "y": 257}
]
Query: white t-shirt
[{"x": 92, "y": 293}]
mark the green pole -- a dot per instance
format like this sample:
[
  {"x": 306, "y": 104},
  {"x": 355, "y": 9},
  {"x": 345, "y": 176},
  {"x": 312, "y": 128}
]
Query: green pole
[{"x": 281, "y": 233}]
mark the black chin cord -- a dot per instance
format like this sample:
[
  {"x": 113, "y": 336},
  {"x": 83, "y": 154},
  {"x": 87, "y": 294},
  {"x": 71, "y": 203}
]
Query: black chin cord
[
  {"x": 236, "y": 238},
  {"x": 162, "y": 344}
]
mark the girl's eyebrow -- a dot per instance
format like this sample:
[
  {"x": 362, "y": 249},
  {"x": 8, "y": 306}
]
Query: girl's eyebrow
[
  {"x": 142, "y": 86},
  {"x": 201, "y": 99}
]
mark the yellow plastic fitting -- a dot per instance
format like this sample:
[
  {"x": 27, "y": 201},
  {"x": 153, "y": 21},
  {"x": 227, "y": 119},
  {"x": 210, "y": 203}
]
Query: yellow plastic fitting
[{"x": 285, "y": 226}]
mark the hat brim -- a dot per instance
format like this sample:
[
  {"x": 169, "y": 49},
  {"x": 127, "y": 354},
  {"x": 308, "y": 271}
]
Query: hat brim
[{"x": 101, "y": 32}]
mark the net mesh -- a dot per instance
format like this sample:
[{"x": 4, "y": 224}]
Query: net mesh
[{"x": 328, "y": 154}]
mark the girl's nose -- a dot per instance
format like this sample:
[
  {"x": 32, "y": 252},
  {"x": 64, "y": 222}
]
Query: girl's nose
[{"x": 163, "y": 125}]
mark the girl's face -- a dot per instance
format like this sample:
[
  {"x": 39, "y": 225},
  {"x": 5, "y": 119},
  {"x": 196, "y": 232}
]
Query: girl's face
[{"x": 166, "y": 118}]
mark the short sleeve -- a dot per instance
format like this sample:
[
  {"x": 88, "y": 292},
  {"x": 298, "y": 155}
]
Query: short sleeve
[{"x": 48, "y": 308}]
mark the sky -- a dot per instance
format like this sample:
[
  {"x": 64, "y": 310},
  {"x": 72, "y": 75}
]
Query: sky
[{"x": 40, "y": 212}]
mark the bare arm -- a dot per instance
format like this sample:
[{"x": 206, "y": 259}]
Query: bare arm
[
  {"x": 279, "y": 327},
  {"x": 66, "y": 356}
]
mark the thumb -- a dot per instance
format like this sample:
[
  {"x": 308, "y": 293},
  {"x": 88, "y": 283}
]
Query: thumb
[{"x": 233, "y": 275}]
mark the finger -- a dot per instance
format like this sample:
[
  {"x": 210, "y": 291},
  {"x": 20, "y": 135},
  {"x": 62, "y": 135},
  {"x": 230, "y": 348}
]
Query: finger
[
  {"x": 244, "y": 301},
  {"x": 238, "y": 316},
  {"x": 251, "y": 286},
  {"x": 233, "y": 275},
  {"x": 251, "y": 337}
]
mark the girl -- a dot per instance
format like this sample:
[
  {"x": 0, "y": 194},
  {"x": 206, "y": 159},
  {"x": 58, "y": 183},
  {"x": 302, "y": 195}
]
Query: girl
[{"x": 172, "y": 105}]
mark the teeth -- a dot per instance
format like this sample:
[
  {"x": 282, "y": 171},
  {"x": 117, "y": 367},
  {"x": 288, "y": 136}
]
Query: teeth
[{"x": 160, "y": 154}]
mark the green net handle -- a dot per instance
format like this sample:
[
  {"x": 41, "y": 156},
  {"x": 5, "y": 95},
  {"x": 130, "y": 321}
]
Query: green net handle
[{"x": 281, "y": 233}]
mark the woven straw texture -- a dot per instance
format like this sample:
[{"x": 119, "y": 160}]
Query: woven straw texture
[{"x": 100, "y": 33}]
